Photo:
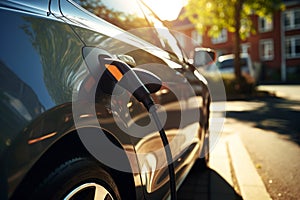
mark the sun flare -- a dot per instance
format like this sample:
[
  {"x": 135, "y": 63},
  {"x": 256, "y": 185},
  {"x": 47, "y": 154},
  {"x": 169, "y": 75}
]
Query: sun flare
[{"x": 166, "y": 9}]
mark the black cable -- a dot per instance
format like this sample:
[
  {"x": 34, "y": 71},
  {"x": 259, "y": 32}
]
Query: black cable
[
  {"x": 117, "y": 69},
  {"x": 153, "y": 112}
]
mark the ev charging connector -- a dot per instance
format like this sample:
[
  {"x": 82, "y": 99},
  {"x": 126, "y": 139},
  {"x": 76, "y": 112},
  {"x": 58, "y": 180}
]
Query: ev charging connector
[{"x": 116, "y": 70}]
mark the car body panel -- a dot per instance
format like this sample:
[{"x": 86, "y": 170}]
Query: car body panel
[
  {"x": 35, "y": 89},
  {"x": 42, "y": 67},
  {"x": 142, "y": 53}
]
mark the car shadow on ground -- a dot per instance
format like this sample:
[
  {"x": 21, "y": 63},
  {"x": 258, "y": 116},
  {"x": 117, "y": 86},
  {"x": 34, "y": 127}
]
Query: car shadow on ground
[
  {"x": 276, "y": 114},
  {"x": 206, "y": 184}
]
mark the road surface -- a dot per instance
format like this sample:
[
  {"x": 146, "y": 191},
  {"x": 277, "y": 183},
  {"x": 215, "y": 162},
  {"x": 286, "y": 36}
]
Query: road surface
[{"x": 270, "y": 130}]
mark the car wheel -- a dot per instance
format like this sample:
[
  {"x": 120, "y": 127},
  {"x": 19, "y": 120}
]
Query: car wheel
[{"x": 78, "y": 178}]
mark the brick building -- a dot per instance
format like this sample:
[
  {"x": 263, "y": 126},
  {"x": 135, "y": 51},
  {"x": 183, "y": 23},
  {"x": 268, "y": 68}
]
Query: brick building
[{"x": 265, "y": 47}]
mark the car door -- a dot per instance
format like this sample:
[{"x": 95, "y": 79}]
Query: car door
[{"x": 180, "y": 107}]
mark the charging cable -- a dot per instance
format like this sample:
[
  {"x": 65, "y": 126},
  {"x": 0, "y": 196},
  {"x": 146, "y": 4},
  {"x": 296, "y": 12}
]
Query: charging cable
[
  {"x": 153, "y": 112},
  {"x": 116, "y": 70}
]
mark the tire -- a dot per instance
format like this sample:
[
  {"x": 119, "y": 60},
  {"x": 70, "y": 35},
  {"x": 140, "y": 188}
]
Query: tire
[{"x": 78, "y": 178}]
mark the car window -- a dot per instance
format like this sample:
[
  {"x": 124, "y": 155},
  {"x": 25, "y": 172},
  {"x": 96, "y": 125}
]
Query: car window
[
  {"x": 166, "y": 38},
  {"x": 229, "y": 64},
  {"x": 136, "y": 18},
  {"x": 226, "y": 64},
  {"x": 125, "y": 14}
]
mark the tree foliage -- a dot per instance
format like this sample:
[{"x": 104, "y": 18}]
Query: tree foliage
[
  {"x": 214, "y": 15},
  {"x": 234, "y": 15}
]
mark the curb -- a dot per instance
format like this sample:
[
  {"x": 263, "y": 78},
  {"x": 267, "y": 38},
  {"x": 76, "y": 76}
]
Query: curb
[
  {"x": 249, "y": 182},
  {"x": 219, "y": 160}
]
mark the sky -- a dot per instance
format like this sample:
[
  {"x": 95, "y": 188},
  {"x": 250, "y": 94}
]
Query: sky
[{"x": 166, "y": 9}]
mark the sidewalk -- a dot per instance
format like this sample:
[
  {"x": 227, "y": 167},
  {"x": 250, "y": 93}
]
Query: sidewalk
[
  {"x": 231, "y": 175},
  {"x": 230, "y": 159},
  {"x": 283, "y": 91}
]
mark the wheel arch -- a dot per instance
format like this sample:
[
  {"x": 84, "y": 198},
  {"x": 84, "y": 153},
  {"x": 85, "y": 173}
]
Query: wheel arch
[{"x": 67, "y": 147}]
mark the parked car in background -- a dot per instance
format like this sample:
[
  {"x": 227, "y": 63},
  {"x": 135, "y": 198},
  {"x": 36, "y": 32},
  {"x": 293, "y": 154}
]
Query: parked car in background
[
  {"x": 207, "y": 61},
  {"x": 225, "y": 65},
  {"x": 63, "y": 135}
]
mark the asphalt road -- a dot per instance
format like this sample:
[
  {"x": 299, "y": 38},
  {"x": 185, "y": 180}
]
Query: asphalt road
[{"x": 269, "y": 128}]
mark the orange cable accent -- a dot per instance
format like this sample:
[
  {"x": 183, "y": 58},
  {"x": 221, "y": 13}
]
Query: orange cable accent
[{"x": 114, "y": 71}]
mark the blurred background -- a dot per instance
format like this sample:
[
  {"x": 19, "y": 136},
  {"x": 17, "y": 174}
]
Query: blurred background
[{"x": 269, "y": 32}]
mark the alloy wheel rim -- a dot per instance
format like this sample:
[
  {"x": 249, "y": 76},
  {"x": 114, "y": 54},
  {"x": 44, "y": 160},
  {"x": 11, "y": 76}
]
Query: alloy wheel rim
[{"x": 94, "y": 191}]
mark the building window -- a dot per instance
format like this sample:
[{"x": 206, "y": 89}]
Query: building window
[
  {"x": 266, "y": 49},
  {"x": 221, "y": 39},
  {"x": 265, "y": 24},
  {"x": 292, "y": 19},
  {"x": 245, "y": 47},
  {"x": 292, "y": 47},
  {"x": 197, "y": 38}
]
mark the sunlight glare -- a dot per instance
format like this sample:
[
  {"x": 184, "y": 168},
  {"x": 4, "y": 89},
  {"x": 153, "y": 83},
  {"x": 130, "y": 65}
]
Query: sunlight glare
[{"x": 166, "y": 9}]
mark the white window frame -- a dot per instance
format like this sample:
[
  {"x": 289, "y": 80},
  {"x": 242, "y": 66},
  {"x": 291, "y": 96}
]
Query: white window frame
[
  {"x": 292, "y": 40},
  {"x": 266, "y": 49},
  {"x": 245, "y": 47},
  {"x": 265, "y": 24},
  {"x": 222, "y": 37},
  {"x": 292, "y": 19},
  {"x": 197, "y": 38}
]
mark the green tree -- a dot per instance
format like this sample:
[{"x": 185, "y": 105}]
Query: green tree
[{"x": 234, "y": 15}]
